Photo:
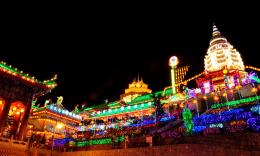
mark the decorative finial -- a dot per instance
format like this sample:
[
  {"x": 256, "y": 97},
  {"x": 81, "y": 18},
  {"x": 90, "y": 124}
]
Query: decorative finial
[
  {"x": 59, "y": 100},
  {"x": 133, "y": 79},
  {"x": 216, "y": 32}
]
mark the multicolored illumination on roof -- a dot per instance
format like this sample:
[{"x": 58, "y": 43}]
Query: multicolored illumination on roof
[
  {"x": 236, "y": 102},
  {"x": 8, "y": 69},
  {"x": 57, "y": 110},
  {"x": 122, "y": 109},
  {"x": 64, "y": 112}
]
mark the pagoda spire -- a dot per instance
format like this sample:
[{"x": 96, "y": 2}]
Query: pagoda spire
[{"x": 215, "y": 32}]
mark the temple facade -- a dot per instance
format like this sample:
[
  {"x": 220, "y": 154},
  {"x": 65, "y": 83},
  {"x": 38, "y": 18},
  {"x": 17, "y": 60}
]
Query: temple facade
[
  {"x": 17, "y": 90},
  {"x": 53, "y": 122},
  {"x": 224, "y": 68}
]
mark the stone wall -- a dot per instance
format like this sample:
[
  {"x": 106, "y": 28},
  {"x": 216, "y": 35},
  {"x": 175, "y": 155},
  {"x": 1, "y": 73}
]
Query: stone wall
[{"x": 181, "y": 149}]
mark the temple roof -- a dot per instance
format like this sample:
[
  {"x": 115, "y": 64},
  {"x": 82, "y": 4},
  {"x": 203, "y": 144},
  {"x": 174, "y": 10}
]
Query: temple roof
[
  {"x": 138, "y": 87},
  {"x": 15, "y": 73},
  {"x": 221, "y": 54},
  {"x": 216, "y": 37}
]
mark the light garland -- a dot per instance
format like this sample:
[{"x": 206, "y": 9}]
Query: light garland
[
  {"x": 64, "y": 112},
  {"x": 251, "y": 67},
  {"x": 122, "y": 109},
  {"x": 99, "y": 141},
  {"x": 19, "y": 74},
  {"x": 236, "y": 102},
  {"x": 58, "y": 115}
]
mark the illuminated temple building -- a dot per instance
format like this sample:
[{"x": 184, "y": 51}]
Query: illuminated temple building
[
  {"x": 17, "y": 90},
  {"x": 224, "y": 68},
  {"x": 223, "y": 83},
  {"x": 224, "y": 91},
  {"x": 136, "y": 88},
  {"x": 53, "y": 119},
  {"x": 133, "y": 95}
]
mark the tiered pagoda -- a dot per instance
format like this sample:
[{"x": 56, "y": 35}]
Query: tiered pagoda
[{"x": 224, "y": 68}]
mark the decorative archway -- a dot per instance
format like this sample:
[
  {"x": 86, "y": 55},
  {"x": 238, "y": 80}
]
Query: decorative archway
[{"x": 14, "y": 119}]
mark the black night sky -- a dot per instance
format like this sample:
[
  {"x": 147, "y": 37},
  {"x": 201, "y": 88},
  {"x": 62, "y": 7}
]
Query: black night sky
[{"x": 97, "y": 53}]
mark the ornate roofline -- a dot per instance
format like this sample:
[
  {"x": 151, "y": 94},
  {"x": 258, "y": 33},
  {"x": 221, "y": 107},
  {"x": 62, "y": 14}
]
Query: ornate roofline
[{"x": 14, "y": 72}]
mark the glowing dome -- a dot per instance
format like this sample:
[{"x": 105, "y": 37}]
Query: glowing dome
[{"x": 221, "y": 54}]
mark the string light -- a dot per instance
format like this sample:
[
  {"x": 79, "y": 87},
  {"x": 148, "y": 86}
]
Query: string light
[{"x": 20, "y": 74}]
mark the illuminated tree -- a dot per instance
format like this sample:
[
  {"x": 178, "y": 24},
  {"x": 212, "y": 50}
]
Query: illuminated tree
[{"x": 187, "y": 117}]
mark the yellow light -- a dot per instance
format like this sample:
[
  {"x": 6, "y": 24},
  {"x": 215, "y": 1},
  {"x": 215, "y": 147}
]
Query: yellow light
[
  {"x": 254, "y": 90},
  {"x": 59, "y": 125},
  {"x": 17, "y": 113},
  {"x": 224, "y": 94},
  {"x": 1, "y": 102},
  {"x": 238, "y": 87},
  {"x": 216, "y": 98},
  {"x": 14, "y": 108},
  {"x": 173, "y": 61},
  {"x": 205, "y": 97},
  {"x": 231, "y": 91},
  {"x": 225, "y": 71},
  {"x": 22, "y": 110},
  {"x": 194, "y": 101}
]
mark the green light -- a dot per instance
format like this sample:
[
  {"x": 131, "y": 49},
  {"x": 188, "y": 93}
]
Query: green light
[
  {"x": 122, "y": 109},
  {"x": 113, "y": 104},
  {"x": 89, "y": 108},
  {"x": 100, "y": 141},
  {"x": 256, "y": 79},
  {"x": 187, "y": 117},
  {"x": 168, "y": 91},
  {"x": 142, "y": 98},
  {"x": 13, "y": 70},
  {"x": 236, "y": 102}
]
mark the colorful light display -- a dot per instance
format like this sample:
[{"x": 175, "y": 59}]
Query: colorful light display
[
  {"x": 173, "y": 62},
  {"x": 236, "y": 102},
  {"x": 64, "y": 112},
  {"x": 19, "y": 74},
  {"x": 187, "y": 117},
  {"x": 123, "y": 109},
  {"x": 254, "y": 123},
  {"x": 100, "y": 141},
  {"x": 221, "y": 54}
]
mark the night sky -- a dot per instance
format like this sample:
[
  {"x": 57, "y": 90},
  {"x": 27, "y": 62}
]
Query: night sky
[{"x": 97, "y": 53}]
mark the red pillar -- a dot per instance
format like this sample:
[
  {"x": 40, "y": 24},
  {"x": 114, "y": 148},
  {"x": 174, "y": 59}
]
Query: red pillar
[
  {"x": 4, "y": 115},
  {"x": 27, "y": 112}
]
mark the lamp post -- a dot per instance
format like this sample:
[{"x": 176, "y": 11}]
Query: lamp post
[
  {"x": 59, "y": 126},
  {"x": 173, "y": 62}
]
